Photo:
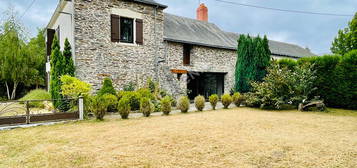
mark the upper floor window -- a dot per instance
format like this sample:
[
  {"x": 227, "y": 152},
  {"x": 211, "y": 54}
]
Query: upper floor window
[
  {"x": 126, "y": 30},
  {"x": 187, "y": 54}
]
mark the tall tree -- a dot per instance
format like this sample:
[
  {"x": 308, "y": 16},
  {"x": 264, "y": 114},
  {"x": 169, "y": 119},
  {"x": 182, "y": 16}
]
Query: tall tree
[
  {"x": 67, "y": 53},
  {"x": 15, "y": 60},
  {"x": 253, "y": 56},
  {"x": 57, "y": 70},
  {"x": 37, "y": 49},
  {"x": 346, "y": 39}
]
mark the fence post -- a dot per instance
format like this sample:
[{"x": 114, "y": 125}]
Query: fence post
[
  {"x": 81, "y": 108},
  {"x": 27, "y": 112}
]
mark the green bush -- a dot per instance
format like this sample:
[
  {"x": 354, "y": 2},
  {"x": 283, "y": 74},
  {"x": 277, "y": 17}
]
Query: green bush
[
  {"x": 124, "y": 107},
  {"x": 157, "y": 105},
  {"x": 237, "y": 99},
  {"x": 200, "y": 103},
  {"x": 129, "y": 87},
  {"x": 38, "y": 94},
  {"x": 183, "y": 104},
  {"x": 146, "y": 107},
  {"x": 166, "y": 105},
  {"x": 226, "y": 100},
  {"x": 287, "y": 63},
  {"x": 112, "y": 102},
  {"x": 143, "y": 92},
  {"x": 98, "y": 105},
  {"x": 107, "y": 88},
  {"x": 213, "y": 99},
  {"x": 134, "y": 98}
]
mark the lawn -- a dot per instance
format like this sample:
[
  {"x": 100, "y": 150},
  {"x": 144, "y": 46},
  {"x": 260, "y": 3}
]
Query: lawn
[{"x": 239, "y": 137}]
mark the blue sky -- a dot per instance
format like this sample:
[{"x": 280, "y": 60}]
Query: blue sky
[{"x": 313, "y": 31}]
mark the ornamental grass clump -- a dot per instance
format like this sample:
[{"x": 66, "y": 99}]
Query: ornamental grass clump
[
  {"x": 166, "y": 105},
  {"x": 146, "y": 107},
  {"x": 213, "y": 99},
  {"x": 226, "y": 100},
  {"x": 200, "y": 103},
  {"x": 183, "y": 104},
  {"x": 237, "y": 99},
  {"x": 124, "y": 107}
]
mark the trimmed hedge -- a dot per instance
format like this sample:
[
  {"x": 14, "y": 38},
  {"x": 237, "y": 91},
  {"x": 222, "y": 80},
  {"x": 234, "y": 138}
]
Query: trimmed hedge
[{"x": 336, "y": 78}]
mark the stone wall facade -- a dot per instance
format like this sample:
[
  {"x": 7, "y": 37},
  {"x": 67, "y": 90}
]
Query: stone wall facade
[
  {"x": 203, "y": 59},
  {"x": 97, "y": 57}
]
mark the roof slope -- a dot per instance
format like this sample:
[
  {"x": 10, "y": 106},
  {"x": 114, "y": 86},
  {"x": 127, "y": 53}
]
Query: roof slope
[
  {"x": 191, "y": 31},
  {"x": 151, "y": 2}
]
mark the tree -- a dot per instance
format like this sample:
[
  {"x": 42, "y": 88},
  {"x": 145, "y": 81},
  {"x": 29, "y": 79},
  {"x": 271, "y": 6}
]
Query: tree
[
  {"x": 107, "y": 88},
  {"x": 67, "y": 53},
  {"x": 37, "y": 50},
  {"x": 16, "y": 62},
  {"x": 253, "y": 56},
  {"x": 57, "y": 70},
  {"x": 346, "y": 39}
]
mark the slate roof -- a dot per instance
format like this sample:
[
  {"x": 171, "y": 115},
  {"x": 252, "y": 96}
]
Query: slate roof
[
  {"x": 191, "y": 31},
  {"x": 151, "y": 2}
]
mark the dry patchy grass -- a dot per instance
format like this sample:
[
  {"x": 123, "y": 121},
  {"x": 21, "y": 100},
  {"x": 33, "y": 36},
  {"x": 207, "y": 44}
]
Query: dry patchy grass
[{"x": 240, "y": 137}]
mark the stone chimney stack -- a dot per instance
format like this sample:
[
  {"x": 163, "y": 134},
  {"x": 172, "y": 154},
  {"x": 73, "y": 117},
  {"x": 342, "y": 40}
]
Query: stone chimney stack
[{"x": 202, "y": 12}]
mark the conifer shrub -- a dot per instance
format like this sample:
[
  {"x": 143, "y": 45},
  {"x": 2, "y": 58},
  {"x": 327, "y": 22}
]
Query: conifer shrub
[
  {"x": 134, "y": 98},
  {"x": 146, "y": 107},
  {"x": 166, "y": 105},
  {"x": 237, "y": 99},
  {"x": 124, "y": 107},
  {"x": 98, "y": 106},
  {"x": 200, "y": 103},
  {"x": 226, "y": 100},
  {"x": 112, "y": 102},
  {"x": 183, "y": 104},
  {"x": 213, "y": 99},
  {"x": 107, "y": 88}
]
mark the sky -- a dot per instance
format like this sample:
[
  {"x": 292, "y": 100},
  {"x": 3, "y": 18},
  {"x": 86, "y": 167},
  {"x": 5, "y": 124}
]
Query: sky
[{"x": 313, "y": 31}]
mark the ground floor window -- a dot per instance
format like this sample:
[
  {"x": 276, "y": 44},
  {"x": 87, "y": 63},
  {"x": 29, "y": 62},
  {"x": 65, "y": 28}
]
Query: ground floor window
[{"x": 205, "y": 84}]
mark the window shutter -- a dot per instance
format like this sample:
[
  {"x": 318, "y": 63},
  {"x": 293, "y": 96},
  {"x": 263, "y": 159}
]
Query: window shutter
[
  {"x": 115, "y": 32},
  {"x": 139, "y": 31}
]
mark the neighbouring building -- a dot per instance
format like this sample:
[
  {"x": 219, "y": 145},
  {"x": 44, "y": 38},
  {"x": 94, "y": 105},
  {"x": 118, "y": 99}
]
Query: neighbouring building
[{"x": 133, "y": 40}]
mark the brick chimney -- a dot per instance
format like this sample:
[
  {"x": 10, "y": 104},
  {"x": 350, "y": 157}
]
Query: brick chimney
[{"x": 202, "y": 12}]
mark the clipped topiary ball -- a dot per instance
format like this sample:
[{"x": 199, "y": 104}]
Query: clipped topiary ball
[
  {"x": 213, "y": 99},
  {"x": 200, "y": 103},
  {"x": 226, "y": 100},
  {"x": 183, "y": 104}
]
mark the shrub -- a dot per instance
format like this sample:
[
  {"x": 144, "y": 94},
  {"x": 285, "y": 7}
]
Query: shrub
[
  {"x": 237, "y": 99},
  {"x": 37, "y": 94},
  {"x": 98, "y": 106},
  {"x": 73, "y": 87},
  {"x": 166, "y": 105},
  {"x": 200, "y": 103},
  {"x": 157, "y": 105},
  {"x": 143, "y": 92},
  {"x": 226, "y": 100},
  {"x": 124, "y": 107},
  {"x": 129, "y": 87},
  {"x": 282, "y": 87},
  {"x": 134, "y": 98},
  {"x": 107, "y": 88},
  {"x": 146, "y": 107},
  {"x": 287, "y": 63},
  {"x": 213, "y": 99},
  {"x": 112, "y": 102},
  {"x": 183, "y": 104}
]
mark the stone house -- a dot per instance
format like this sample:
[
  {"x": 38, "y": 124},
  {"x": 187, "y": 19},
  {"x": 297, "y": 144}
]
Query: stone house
[{"x": 133, "y": 40}]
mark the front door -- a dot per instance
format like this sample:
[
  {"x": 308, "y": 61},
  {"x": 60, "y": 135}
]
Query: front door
[{"x": 205, "y": 84}]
